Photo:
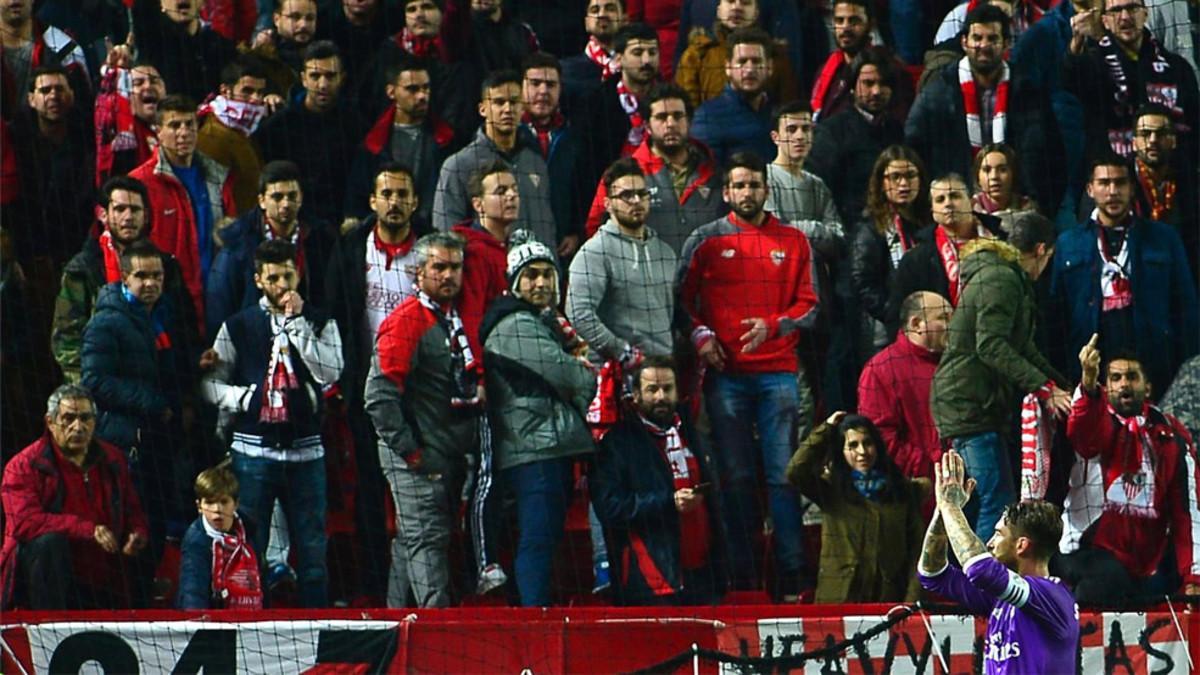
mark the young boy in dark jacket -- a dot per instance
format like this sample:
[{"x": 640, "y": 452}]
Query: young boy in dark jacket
[{"x": 219, "y": 568}]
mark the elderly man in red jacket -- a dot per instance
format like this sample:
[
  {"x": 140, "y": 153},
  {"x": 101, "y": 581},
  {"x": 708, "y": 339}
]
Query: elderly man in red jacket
[
  {"x": 75, "y": 526},
  {"x": 893, "y": 390}
]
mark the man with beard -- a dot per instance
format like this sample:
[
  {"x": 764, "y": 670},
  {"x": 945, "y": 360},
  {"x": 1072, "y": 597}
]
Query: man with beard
[
  {"x": 500, "y": 139},
  {"x": 125, "y": 115},
  {"x": 370, "y": 274},
  {"x": 1133, "y": 487},
  {"x": 1166, "y": 182},
  {"x": 495, "y": 39},
  {"x": 231, "y": 284},
  {"x": 681, "y": 174},
  {"x": 190, "y": 194},
  {"x": 423, "y": 396},
  {"x": 1114, "y": 65},
  {"x": 653, "y": 489},
  {"x": 853, "y": 23},
  {"x": 539, "y": 387},
  {"x": 583, "y": 74},
  {"x": 282, "y": 50},
  {"x": 124, "y": 215},
  {"x": 187, "y": 51},
  {"x": 141, "y": 369},
  {"x": 1126, "y": 278},
  {"x": 272, "y": 361},
  {"x": 739, "y": 119},
  {"x": 620, "y": 298},
  {"x": 617, "y": 120},
  {"x": 356, "y": 27},
  {"x": 893, "y": 390},
  {"x": 747, "y": 282},
  {"x": 227, "y": 122},
  {"x": 846, "y": 144},
  {"x": 408, "y": 134},
  {"x": 978, "y": 101}
]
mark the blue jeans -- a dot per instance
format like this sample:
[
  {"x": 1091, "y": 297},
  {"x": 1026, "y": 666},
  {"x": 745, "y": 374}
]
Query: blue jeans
[
  {"x": 542, "y": 490},
  {"x": 300, "y": 488},
  {"x": 736, "y": 405},
  {"x": 987, "y": 462}
]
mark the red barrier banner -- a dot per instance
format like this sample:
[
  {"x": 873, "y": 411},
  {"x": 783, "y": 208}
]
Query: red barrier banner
[{"x": 588, "y": 640}]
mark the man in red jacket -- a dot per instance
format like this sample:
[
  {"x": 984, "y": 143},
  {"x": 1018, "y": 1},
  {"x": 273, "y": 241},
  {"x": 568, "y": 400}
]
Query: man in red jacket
[
  {"x": 1133, "y": 488},
  {"x": 747, "y": 282},
  {"x": 496, "y": 200},
  {"x": 893, "y": 390},
  {"x": 74, "y": 523}
]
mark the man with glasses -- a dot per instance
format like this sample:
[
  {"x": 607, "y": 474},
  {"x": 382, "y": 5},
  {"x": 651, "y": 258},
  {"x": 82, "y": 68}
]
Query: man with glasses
[
  {"x": 62, "y": 548},
  {"x": 499, "y": 139},
  {"x": 1165, "y": 180},
  {"x": 1125, "y": 277},
  {"x": 1114, "y": 65}
]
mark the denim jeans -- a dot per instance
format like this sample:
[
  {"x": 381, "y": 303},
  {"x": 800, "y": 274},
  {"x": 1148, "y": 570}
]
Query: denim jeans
[
  {"x": 987, "y": 462},
  {"x": 542, "y": 490},
  {"x": 300, "y": 488},
  {"x": 737, "y": 404}
]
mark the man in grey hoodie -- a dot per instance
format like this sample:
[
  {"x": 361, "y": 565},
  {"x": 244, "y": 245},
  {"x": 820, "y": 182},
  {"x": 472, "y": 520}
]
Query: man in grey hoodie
[{"x": 621, "y": 297}]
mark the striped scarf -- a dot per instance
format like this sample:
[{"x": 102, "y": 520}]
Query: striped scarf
[
  {"x": 966, "y": 81},
  {"x": 462, "y": 360}
]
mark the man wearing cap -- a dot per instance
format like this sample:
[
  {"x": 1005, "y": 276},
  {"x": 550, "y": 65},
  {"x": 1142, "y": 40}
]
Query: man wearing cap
[{"x": 539, "y": 387}]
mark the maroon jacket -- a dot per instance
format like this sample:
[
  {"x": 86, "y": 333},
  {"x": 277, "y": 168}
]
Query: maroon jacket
[
  {"x": 893, "y": 392},
  {"x": 35, "y": 489}
]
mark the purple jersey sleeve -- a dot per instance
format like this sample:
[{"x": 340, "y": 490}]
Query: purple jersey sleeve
[
  {"x": 953, "y": 584},
  {"x": 1044, "y": 600}
]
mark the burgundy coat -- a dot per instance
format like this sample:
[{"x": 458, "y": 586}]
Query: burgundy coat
[{"x": 893, "y": 392}]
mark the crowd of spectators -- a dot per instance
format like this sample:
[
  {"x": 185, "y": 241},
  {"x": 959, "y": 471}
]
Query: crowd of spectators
[{"x": 386, "y": 289}]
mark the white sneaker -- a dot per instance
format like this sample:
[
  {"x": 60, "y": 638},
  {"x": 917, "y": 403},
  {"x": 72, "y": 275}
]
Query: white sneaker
[{"x": 491, "y": 578}]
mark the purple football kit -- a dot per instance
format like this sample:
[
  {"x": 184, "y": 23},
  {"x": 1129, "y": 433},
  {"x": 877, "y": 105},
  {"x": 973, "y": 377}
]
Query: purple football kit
[{"x": 1033, "y": 622}]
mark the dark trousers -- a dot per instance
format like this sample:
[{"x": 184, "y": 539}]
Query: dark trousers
[
  {"x": 1098, "y": 578},
  {"x": 45, "y": 579},
  {"x": 542, "y": 490}
]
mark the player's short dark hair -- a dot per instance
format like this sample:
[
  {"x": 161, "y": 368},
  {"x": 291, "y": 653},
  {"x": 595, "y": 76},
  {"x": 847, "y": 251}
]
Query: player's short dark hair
[
  {"x": 274, "y": 252},
  {"x": 625, "y": 166},
  {"x": 631, "y": 32},
  {"x": 1039, "y": 521}
]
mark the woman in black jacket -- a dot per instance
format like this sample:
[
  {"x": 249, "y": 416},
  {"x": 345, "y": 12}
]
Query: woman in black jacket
[{"x": 897, "y": 207}]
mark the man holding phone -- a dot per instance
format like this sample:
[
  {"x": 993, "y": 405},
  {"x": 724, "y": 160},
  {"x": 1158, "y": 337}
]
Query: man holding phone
[{"x": 651, "y": 489}]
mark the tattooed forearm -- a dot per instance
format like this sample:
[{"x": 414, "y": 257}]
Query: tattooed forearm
[
  {"x": 962, "y": 539},
  {"x": 933, "y": 553}
]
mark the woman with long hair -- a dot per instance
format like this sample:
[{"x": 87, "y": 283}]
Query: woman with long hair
[
  {"x": 873, "y": 524},
  {"x": 897, "y": 207},
  {"x": 996, "y": 173}
]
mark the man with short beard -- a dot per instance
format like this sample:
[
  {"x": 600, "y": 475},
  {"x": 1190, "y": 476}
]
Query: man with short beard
[
  {"x": 652, "y": 488},
  {"x": 124, "y": 214},
  {"x": 187, "y": 51},
  {"x": 893, "y": 390},
  {"x": 1166, "y": 184},
  {"x": 979, "y": 100},
  {"x": 281, "y": 49},
  {"x": 584, "y": 73},
  {"x": 227, "y": 122},
  {"x": 617, "y": 122},
  {"x": 846, "y": 144},
  {"x": 357, "y": 27},
  {"x": 499, "y": 139},
  {"x": 423, "y": 396},
  {"x": 739, "y": 118},
  {"x": 272, "y": 361},
  {"x": 1114, "y": 65},
  {"x": 124, "y": 116},
  {"x": 1133, "y": 487},
  {"x": 230, "y": 286},
  {"x": 747, "y": 283},
  {"x": 681, "y": 174},
  {"x": 494, "y": 39},
  {"x": 1125, "y": 277},
  {"x": 853, "y": 23},
  {"x": 407, "y": 133}
]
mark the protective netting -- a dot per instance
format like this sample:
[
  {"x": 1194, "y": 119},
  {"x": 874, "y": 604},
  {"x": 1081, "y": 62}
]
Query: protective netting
[{"x": 482, "y": 305}]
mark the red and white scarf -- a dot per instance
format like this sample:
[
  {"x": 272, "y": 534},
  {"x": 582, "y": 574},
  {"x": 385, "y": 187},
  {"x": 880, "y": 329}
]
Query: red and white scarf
[
  {"x": 637, "y": 126},
  {"x": 463, "y": 368},
  {"x": 1037, "y": 439},
  {"x": 602, "y": 57},
  {"x": 829, "y": 71},
  {"x": 243, "y": 116},
  {"x": 419, "y": 46},
  {"x": 947, "y": 250},
  {"x": 281, "y": 374},
  {"x": 1115, "y": 287},
  {"x": 235, "y": 578},
  {"x": 970, "y": 94},
  {"x": 112, "y": 259}
]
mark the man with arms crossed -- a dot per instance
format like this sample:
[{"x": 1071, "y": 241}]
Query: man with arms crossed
[{"x": 1033, "y": 621}]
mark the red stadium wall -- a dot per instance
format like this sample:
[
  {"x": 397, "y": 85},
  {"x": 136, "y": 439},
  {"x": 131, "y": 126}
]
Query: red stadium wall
[{"x": 582, "y": 640}]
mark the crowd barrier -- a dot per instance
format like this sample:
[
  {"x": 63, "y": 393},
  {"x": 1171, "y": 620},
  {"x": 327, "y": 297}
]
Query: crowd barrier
[{"x": 583, "y": 640}]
